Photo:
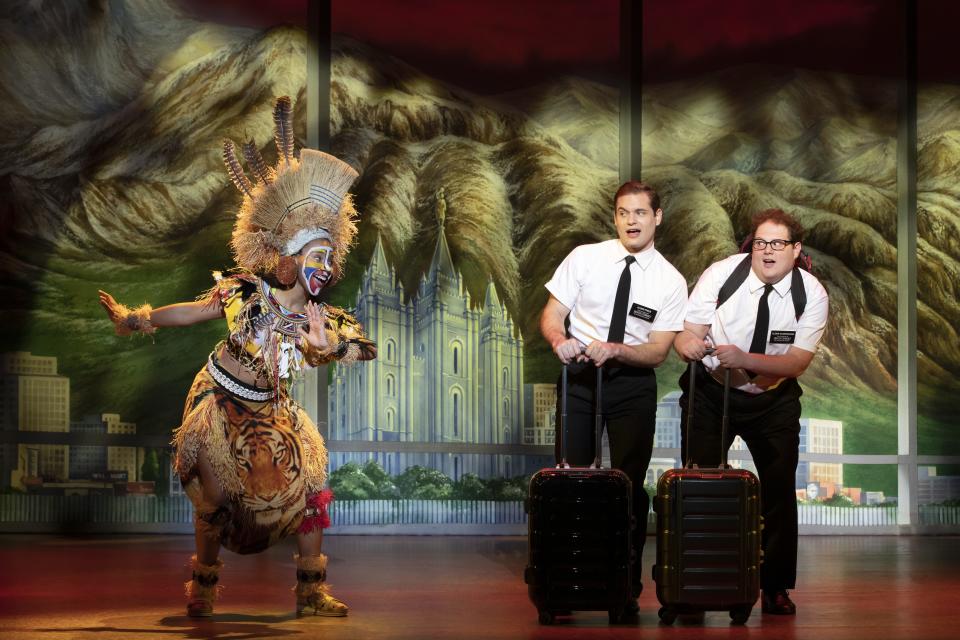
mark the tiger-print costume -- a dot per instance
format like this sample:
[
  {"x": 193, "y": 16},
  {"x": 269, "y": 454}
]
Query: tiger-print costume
[{"x": 266, "y": 457}]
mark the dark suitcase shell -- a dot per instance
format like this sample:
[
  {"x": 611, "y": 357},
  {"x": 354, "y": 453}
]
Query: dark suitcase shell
[
  {"x": 580, "y": 526},
  {"x": 580, "y": 532},
  {"x": 708, "y": 542},
  {"x": 708, "y": 534}
]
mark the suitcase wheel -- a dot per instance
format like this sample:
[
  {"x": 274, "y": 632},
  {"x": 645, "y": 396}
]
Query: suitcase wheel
[
  {"x": 740, "y": 615},
  {"x": 546, "y": 617},
  {"x": 667, "y": 615}
]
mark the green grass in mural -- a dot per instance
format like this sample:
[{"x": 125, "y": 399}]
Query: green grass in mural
[
  {"x": 936, "y": 424},
  {"x": 869, "y": 419},
  {"x": 872, "y": 477},
  {"x": 141, "y": 378}
]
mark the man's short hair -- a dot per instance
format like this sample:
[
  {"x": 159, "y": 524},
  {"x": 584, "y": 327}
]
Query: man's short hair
[
  {"x": 778, "y": 216},
  {"x": 631, "y": 187}
]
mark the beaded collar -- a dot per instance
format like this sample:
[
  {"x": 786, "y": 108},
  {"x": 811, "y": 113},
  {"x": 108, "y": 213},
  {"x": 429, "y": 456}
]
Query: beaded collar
[{"x": 287, "y": 321}]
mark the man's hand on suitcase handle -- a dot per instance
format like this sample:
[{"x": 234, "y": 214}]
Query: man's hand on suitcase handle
[
  {"x": 569, "y": 350},
  {"x": 601, "y": 352},
  {"x": 732, "y": 357},
  {"x": 572, "y": 350},
  {"x": 692, "y": 348}
]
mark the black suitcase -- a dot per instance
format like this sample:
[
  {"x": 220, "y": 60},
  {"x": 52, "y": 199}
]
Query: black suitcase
[
  {"x": 708, "y": 535},
  {"x": 580, "y": 533}
]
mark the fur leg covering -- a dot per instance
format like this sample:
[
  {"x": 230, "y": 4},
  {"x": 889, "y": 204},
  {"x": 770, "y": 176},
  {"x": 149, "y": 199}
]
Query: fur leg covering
[
  {"x": 210, "y": 523},
  {"x": 202, "y": 588},
  {"x": 312, "y": 590}
]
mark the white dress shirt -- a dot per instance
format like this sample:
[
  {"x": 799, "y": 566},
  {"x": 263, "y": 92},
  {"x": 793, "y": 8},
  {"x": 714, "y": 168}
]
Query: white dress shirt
[
  {"x": 586, "y": 283},
  {"x": 735, "y": 320}
]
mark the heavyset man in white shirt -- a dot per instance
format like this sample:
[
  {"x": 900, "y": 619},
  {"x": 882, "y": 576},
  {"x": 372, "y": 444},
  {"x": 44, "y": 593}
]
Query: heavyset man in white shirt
[
  {"x": 625, "y": 304},
  {"x": 765, "y": 359}
]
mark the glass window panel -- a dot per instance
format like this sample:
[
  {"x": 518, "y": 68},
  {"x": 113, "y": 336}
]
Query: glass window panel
[
  {"x": 938, "y": 232},
  {"x": 791, "y": 106},
  {"x": 487, "y": 138}
]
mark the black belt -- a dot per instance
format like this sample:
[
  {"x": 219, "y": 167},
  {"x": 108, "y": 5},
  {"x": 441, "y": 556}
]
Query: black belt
[
  {"x": 234, "y": 386},
  {"x": 583, "y": 369}
]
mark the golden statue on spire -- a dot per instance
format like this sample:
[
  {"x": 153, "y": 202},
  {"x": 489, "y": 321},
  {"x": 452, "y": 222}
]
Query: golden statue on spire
[{"x": 441, "y": 211}]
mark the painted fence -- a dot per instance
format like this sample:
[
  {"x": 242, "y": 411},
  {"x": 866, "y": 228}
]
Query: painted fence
[
  {"x": 65, "y": 511},
  {"x": 391, "y": 512}
]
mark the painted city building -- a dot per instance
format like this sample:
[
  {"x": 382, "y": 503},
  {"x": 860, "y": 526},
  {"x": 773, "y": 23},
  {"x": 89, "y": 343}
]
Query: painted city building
[{"x": 33, "y": 397}]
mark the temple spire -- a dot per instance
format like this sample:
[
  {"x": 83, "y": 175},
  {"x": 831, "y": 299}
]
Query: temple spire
[{"x": 442, "y": 262}]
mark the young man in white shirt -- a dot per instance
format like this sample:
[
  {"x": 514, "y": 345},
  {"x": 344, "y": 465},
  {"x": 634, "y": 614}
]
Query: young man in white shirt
[
  {"x": 625, "y": 304},
  {"x": 765, "y": 327}
]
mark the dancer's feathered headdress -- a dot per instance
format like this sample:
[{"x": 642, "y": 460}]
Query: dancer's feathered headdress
[{"x": 298, "y": 200}]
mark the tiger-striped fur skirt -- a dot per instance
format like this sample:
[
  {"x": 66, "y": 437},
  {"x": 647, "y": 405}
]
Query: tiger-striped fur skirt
[{"x": 268, "y": 459}]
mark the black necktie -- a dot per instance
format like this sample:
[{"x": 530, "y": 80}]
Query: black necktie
[
  {"x": 618, "y": 321},
  {"x": 759, "y": 343}
]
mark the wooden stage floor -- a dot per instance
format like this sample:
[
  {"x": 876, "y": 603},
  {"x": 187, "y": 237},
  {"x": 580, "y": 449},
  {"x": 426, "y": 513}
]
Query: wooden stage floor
[{"x": 53, "y": 587}]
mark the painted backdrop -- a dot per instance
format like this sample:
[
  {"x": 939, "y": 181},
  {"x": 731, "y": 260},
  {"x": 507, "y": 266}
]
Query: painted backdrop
[{"x": 488, "y": 148}]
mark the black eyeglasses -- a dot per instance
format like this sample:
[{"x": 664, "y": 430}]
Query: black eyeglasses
[{"x": 759, "y": 244}]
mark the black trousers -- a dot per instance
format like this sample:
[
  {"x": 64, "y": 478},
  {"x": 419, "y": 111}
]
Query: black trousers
[
  {"x": 629, "y": 412},
  {"x": 769, "y": 424}
]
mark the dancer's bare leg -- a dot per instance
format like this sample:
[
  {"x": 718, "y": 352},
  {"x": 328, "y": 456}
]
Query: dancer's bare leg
[
  {"x": 309, "y": 544},
  {"x": 207, "y": 537},
  {"x": 202, "y": 586}
]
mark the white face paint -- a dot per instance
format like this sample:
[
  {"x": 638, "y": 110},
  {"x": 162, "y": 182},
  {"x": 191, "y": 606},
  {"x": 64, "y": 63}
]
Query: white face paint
[{"x": 317, "y": 268}]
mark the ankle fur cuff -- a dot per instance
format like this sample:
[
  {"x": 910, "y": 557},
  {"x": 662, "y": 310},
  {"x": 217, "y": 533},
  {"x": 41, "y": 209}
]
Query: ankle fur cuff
[
  {"x": 203, "y": 583},
  {"x": 311, "y": 563}
]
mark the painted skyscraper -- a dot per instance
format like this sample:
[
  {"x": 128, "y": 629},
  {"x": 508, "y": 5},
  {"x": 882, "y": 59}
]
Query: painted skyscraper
[{"x": 447, "y": 373}]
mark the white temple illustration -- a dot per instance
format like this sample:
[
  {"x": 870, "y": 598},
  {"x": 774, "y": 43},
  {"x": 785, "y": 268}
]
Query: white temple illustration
[{"x": 447, "y": 373}]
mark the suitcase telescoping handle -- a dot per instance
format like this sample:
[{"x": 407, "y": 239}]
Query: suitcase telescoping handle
[
  {"x": 563, "y": 464},
  {"x": 597, "y": 421},
  {"x": 724, "y": 421}
]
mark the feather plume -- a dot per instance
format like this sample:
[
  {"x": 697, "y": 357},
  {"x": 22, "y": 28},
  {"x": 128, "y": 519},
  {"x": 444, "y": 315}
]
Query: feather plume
[
  {"x": 255, "y": 163},
  {"x": 283, "y": 128},
  {"x": 239, "y": 178}
]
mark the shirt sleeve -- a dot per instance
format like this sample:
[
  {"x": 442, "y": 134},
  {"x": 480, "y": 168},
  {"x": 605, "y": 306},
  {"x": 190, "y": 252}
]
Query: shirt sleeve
[
  {"x": 812, "y": 323},
  {"x": 567, "y": 280},
  {"x": 702, "y": 305},
  {"x": 671, "y": 315}
]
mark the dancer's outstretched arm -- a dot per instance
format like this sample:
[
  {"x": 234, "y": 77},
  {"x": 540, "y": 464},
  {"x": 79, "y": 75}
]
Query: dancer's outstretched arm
[{"x": 146, "y": 319}]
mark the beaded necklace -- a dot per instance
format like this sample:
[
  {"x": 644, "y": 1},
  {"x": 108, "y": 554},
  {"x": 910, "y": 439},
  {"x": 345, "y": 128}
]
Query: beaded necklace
[{"x": 287, "y": 321}]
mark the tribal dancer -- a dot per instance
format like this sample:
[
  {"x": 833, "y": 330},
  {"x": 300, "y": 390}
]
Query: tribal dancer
[{"x": 249, "y": 457}]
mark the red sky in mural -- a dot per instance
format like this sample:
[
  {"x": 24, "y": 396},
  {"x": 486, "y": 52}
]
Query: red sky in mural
[{"x": 501, "y": 44}]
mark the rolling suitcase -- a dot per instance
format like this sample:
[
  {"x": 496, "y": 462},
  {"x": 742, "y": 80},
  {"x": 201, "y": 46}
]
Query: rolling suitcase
[
  {"x": 580, "y": 531},
  {"x": 708, "y": 534}
]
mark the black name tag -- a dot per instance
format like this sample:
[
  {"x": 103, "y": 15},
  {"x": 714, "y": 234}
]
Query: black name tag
[
  {"x": 782, "y": 337},
  {"x": 642, "y": 312}
]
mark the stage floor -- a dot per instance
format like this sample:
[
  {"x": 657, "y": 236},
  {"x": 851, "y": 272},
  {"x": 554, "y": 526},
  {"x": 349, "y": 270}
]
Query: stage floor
[{"x": 54, "y": 587}]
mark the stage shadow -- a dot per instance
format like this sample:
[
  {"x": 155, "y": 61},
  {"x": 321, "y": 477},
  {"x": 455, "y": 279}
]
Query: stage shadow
[
  {"x": 215, "y": 627},
  {"x": 232, "y": 625}
]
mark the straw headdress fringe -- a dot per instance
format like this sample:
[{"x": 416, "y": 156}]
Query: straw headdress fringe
[
  {"x": 206, "y": 427},
  {"x": 305, "y": 193}
]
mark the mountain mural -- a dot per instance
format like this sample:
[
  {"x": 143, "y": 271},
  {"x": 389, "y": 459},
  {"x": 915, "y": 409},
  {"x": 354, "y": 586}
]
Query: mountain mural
[{"x": 113, "y": 179}]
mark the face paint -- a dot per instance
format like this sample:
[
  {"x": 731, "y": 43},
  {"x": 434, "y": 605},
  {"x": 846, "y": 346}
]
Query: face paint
[{"x": 317, "y": 268}]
